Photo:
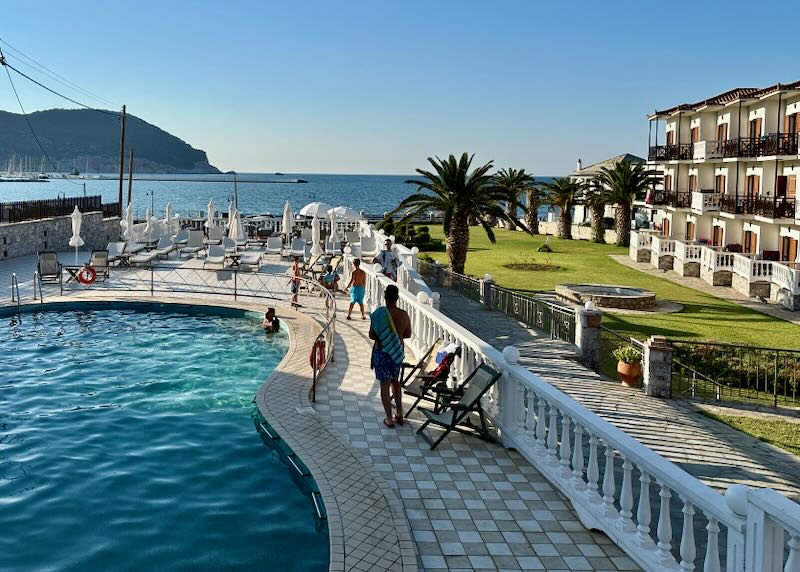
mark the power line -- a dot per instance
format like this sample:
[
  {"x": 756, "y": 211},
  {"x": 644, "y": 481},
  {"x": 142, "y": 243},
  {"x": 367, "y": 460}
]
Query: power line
[
  {"x": 43, "y": 69},
  {"x": 25, "y": 115}
]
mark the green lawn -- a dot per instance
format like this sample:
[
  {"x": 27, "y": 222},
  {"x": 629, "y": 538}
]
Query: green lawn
[
  {"x": 783, "y": 434},
  {"x": 703, "y": 316}
]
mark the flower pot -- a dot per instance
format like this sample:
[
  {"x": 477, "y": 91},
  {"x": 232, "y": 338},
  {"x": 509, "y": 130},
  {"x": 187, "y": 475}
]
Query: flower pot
[{"x": 629, "y": 373}]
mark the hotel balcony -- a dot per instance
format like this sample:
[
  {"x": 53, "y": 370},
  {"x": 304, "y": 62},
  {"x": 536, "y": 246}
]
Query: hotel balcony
[
  {"x": 682, "y": 152},
  {"x": 676, "y": 199},
  {"x": 775, "y": 207},
  {"x": 705, "y": 201},
  {"x": 733, "y": 204},
  {"x": 766, "y": 146},
  {"x": 707, "y": 150}
]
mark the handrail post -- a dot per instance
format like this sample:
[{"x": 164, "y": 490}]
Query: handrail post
[
  {"x": 152, "y": 276},
  {"x": 235, "y": 285}
]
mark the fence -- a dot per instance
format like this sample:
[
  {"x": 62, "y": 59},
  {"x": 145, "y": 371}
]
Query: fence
[
  {"x": 735, "y": 372},
  {"x": 19, "y": 211},
  {"x": 610, "y": 341}
]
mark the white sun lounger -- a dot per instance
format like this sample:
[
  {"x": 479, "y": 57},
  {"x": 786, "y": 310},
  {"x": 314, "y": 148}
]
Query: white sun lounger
[
  {"x": 182, "y": 237},
  {"x": 216, "y": 255},
  {"x": 229, "y": 244},
  {"x": 274, "y": 245},
  {"x": 165, "y": 247},
  {"x": 251, "y": 259},
  {"x": 298, "y": 248},
  {"x": 136, "y": 247},
  {"x": 115, "y": 250},
  {"x": 143, "y": 259},
  {"x": 194, "y": 244}
]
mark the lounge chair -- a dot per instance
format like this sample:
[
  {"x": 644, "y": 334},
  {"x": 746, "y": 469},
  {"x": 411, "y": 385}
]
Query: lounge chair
[
  {"x": 251, "y": 259},
  {"x": 115, "y": 250},
  {"x": 194, "y": 244},
  {"x": 307, "y": 266},
  {"x": 215, "y": 235},
  {"x": 306, "y": 234},
  {"x": 463, "y": 402},
  {"x": 298, "y": 248},
  {"x": 165, "y": 246},
  {"x": 216, "y": 255},
  {"x": 143, "y": 258},
  {"x": 336, "y": 261},
  {"x": 48, "y": 266},
  {"x": 229, "y": 244},
  {"x": 426, "y": 363},
  {"x": 369, "y": 248},
  {"x": 351, "y": 236},
  {"x": 99, "y": 261},
  {"x": 274, "y": 245},
  {"x": 427, "y": 380},
  {"x": 182, "y": 237},
  {"x": 135, "y": 247}
]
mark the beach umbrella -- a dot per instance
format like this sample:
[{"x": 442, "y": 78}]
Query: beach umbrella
[
  {"x": 235, "y": 230},
  {"x": 210, "y": 220},
  {"x": 127, "y": 224},
  {"x": 334, "y": 236},
  {"x": 148, "y": 225},
  {"x": 76, "y": 240},
  {"x": 165, "y": 227},
  {"x": 316, "y": 249},
  {"x": 231, "y": 210},
  {"x": 287, "y": 221},
  {"x": 346, "y": 214},
  {"x": 316, "y": 210}
]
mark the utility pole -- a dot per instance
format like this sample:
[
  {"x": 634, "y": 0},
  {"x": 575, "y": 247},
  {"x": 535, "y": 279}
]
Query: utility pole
[
  {"x": 121, "y": 156},
  {"x": 130, "y": 176}
]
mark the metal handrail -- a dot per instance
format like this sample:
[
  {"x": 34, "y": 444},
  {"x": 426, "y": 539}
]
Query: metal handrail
[
  {"x": 37, "y": 282},
  {"x": 15, "y": 290}
]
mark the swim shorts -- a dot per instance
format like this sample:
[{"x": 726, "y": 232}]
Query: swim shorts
[
  {"x": 385, "y": 367},
  {"x": 357, "y": 294}
]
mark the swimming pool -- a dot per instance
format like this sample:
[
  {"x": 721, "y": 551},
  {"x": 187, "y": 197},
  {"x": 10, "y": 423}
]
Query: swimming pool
[{"x": 127, "y": 443}]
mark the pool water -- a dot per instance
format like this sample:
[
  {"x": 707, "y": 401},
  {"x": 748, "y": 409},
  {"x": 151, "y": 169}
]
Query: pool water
[{"x": 127, "y": 443}]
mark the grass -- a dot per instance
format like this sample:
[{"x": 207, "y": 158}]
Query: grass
[
  {"x": 783, "y": 434},
  {"x": 703, "y": 317}
]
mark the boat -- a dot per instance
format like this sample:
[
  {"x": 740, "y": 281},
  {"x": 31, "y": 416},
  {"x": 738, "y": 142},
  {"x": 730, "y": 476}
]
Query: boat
[
  {"x": 278, "y": 173},
  {"x": 43, "y": 176},
  {"x": 74, "y": 173}
]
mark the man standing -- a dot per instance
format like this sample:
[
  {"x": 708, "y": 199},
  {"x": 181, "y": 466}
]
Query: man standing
[
  {"x": 357, "y": 285},
  {"x": 388, "y": 260},
  {"x": 389, "y": 327}
]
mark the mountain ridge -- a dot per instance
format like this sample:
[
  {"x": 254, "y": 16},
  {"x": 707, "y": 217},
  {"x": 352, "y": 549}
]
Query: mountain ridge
[{"x": 72, "y": 137}]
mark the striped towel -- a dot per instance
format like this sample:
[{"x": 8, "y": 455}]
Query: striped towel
[{"x": 390, "y": 341}]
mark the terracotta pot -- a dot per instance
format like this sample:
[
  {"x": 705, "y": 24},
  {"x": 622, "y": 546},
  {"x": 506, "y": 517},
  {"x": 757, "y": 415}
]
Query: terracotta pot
[{"x": 629, "y": 373}]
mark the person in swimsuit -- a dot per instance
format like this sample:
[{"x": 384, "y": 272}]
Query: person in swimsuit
[
  {"x": 271, "y": 323},
  {"x": 295, "y": 281},
  {"x": 388, "y": 328},
  {"x": 357, "y": 286}
]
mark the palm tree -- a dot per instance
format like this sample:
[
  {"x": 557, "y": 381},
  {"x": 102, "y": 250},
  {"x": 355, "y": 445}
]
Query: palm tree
[
  {"x": 595, "y": 199},
  {"x": 564, "y": 193},
  {"x": 623, "y": 184},
  {"x": 513, "y": 182},
  {"x": 460, "y": 195},
  {"x": 535, "y": 197}
]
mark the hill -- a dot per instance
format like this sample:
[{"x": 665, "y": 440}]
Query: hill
[{"x": 73, "y": 136}]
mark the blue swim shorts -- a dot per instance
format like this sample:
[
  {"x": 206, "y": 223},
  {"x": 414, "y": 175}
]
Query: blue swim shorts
[
  {"x": 357, "y": 294},
  {"x": 385, "y": 367}
]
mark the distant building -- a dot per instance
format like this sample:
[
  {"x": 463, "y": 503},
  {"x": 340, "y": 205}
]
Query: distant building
[{"x": 589, "y": 174}]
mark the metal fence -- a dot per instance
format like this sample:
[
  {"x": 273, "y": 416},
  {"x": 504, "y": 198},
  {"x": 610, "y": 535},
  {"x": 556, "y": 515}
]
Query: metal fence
[
  {"x": 610, "y": 341},
  {"x": 542, "y": 315},
  {"x": 730, "y": 372},
  {"x": 19, "y": 211}
]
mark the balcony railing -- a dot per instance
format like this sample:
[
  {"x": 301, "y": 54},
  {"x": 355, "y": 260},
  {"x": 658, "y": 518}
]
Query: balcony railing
[
  {"x": 787, "y": 275},
  {"x": 768, "y": 145},
  {"x": 775, "y": 207},
  {"x": 752, "y": 268},
  {"x": 737, "y": 205},
  {"x": 714, "y": 259},
  {"x": 707, "y": 150},
  {"x": 679, "y": 152},
  {"x": 678, "y": 199},
  {"x": 705, "y": 201},
  {"x": 688, "y": 251}
]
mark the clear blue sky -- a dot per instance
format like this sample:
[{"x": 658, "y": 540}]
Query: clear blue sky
[{"x": 376, "y": 87}]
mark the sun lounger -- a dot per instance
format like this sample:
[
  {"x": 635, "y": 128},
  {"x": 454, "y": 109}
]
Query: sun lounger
[
  {"x": 351, "y": 237},
  {"x": 48, "y": 266},
  {"x": 429, "y": 382},
  {"x": 135, "y": 247},
  {"x": 334, "y": 248},
  {"x": 229, "y": 244},
  {"x": 115, "y": 250},
  {"x": 298, "y": 248},
  {"x": 306, "y": 234},
  {"x": 216, "y": 255},
  {"x": 194, "y": 244},
  {"x": 143, "y": 259},
  {"x": 165, "y": 246},
  {"x": 251, "y": 259},
  {"x": 182, "y": 237},
  {"x": 274, "y": 245},
  {"x": 99, "y": 261},
  {"x": 215, "y": 235},
  {"x": 462, "y": 403},
  {"x": 369, "y": 249}
]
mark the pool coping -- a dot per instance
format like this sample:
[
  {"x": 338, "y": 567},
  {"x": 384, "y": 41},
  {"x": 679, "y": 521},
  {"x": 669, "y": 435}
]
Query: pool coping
[{"x": 367, "y": 525}]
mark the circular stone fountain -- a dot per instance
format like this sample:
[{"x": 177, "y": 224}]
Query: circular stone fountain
[{"x": 607, "y": 296}]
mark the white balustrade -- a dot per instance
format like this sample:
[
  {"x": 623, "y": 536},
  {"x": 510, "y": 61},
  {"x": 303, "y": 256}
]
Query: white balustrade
[
  {"x": 687, "y": 251},
  {"x": 705, "y": 202},
  {"x": 529, "y": 412},
  {"x": 664, "y": 246},
  {"x": 715, "y": 260},
  {"x": 754, "y": 270},
  {"x": 786, "y": 277}
]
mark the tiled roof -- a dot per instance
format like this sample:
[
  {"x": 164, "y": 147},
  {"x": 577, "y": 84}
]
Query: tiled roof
[
  {"x": 729, "y": 96},
  {"x": 608, "y": 163}
]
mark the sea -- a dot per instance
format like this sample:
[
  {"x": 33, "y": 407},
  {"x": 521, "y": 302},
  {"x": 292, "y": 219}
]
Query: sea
[{"x": 189, "y": 194}]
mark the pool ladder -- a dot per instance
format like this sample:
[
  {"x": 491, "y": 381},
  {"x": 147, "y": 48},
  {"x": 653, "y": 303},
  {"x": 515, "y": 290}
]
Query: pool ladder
[
  {"x": 15, "y": 291},
  {"x": 37, "y": 282}
]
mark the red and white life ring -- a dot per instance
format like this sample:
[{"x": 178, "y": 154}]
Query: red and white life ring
[
  {"x": 317, "y": 357},
  {"x": 87, "y": 275}
]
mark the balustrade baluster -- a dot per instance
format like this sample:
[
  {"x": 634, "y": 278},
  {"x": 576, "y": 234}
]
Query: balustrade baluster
[
  {"x": 540, "y": 426},
  {"x": 552, "y": 437},
  {"x": 793, "y": 561},
  {"x": 643, "y": 509},
  {"x": 565, "y": 447},
  {"x": 530, "y": 418},
  {"x": 712, "y": 548},
  {"x": 687, "y": 550},
  {"x": 577, "y": 459},
  {"x": 664, "y": 530},
  {"x": 609, "y": 485},
  {"x": 519, "y": 403},
  {"x": 593, "y": 470},
  {"x": 626, "y": 496}
]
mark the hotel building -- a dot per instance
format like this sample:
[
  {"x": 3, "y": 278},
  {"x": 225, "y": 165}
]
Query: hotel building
[{"x": 727, "y": 210}]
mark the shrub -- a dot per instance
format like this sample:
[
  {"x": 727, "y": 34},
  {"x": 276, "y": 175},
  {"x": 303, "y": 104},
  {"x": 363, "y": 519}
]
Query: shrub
[
  {"x": 627, "y": 354},
  {"x": 423, "y": 229},
  {"x": 544, "y": 248},
  {"x": 422, "y": 237}
]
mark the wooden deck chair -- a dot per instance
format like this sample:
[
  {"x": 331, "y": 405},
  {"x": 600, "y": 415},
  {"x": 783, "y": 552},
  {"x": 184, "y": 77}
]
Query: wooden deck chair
[
  {"x": 48, "y": 266},
  {"x": 429, "y": 383},
  {"x": 464, "y": 401},
  {"x": 99, "y": 261},
  {"x": 408, "y": 371}
]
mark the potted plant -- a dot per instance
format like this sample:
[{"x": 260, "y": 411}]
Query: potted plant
[{"x": 629, "y": 364}]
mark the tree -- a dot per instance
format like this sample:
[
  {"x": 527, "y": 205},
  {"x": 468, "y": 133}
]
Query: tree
[
  {"x": 564, "y": 193},
  {"x": 535, "y": 197},
  {"x": 623, "y": 184},
  {"x": 595, "y": 199},
  {"x": 460, "y": 195},
  {"x": 513, "y": 182}
]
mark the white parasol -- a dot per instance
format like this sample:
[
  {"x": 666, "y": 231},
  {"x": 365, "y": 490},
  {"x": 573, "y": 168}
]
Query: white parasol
[
  {"x": 334, "y": 236},
  {"x": 76, "y": 240},
  {"x": 127, "y": 225},
  {"x": 167, "y": 216},
  {"x": 231, "y": 210},
  {"x": 316, "y": 249},
  {"x": 316, "y": 210},
  {"x": 148, "y": 225},
  {"x": 210, "y": 220},
  {"x": 235, "y": 230},
  {"x": 287, "y": 222},
  {"x": 347, "y": 214}
]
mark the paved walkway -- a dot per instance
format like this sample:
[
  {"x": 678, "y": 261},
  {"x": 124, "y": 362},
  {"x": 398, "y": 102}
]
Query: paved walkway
[
  {"x": 721, "y": 292},
  {"x": 470, "y": 505},
  {"x": 713, "y": 452}
]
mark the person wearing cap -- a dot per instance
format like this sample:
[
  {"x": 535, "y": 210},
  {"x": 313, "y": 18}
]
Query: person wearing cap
[{"x": 388, "y": 260}]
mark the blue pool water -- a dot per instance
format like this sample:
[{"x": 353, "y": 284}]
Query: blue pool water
[{"x": 127, "y": 443}]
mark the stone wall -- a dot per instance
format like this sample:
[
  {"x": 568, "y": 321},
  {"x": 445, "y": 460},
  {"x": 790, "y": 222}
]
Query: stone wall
[
  {"x": 690, "y": 268},
  {"x": 30, "y": 237},
  {"x": 662, "y": 262},
  {"x": 718, "y": 278},
  {"x": 743, "y": 285},
  {"x": 784, "y": 298},
  {"x": 578, "y": 232}
]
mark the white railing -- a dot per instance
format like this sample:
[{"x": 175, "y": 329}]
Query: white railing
[
  {"x": 747, "y": 266},
  {"x": 687, "y": 251},
  {"x": 664, "y": 246},
  {"x": 786, "y": 277},
  {"x": 771, "y": 517},
  {"x": 714, "y": 260},
  {"x": 595, "y": 464},
  {"x": 707, "y": 150},
  {"x": 705, "y": 202}
]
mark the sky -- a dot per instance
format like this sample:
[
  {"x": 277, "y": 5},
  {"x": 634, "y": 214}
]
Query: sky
[{"x": 374, "y": 86}]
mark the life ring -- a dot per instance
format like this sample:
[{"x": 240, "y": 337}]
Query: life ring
[
  {"x": 87, "y": 275},
  {"x": 317, "y": 357}
]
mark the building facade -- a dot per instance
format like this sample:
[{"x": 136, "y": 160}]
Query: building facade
[{"x": 727, "y": 209}]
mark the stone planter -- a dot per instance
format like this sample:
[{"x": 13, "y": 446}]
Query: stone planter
[{"x": 629, "y": 373}]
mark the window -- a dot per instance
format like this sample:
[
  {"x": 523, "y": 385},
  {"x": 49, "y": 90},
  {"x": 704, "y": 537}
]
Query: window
[
  {"x": 695, "y": 134},
  {"x": 667, "y": 183},
  {"x": 722, "y": 132},
  {"x": 692, "y": 183},
  {"x": 790, "y": 124},
  {"x": 755, "y": 128},
  {"x": 719, "y": 184},
  {"x": 670, "y": 137}
]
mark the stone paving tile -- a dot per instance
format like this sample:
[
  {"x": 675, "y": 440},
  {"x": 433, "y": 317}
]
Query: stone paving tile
[
  {"x": 471, "y": 505},
  {"x": 714, "y": 453}
]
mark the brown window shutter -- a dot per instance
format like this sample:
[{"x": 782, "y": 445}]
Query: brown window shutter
[{"x": 791, "y": 186}]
